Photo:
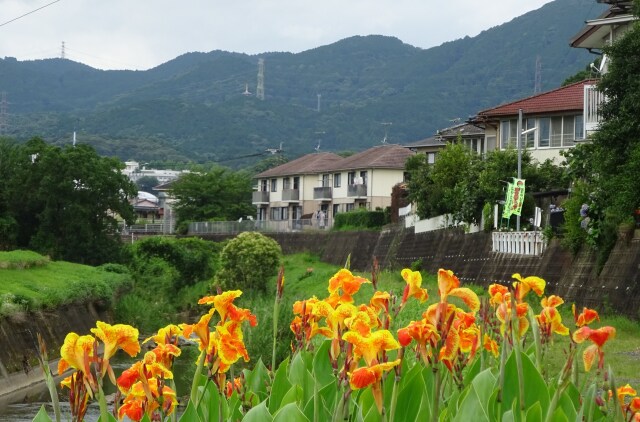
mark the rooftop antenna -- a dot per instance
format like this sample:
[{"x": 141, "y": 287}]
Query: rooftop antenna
[
  {"x": 246, "y": 92},
  {"x": 322, "y": 132},
  {"x": 386, "y": 131}
]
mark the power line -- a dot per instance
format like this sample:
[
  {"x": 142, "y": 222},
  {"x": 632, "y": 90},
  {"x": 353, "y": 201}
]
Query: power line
[{"x": 28, "y": 13}]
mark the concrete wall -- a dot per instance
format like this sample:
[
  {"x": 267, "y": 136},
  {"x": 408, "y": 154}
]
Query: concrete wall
[{"x": 470, "y": 257}]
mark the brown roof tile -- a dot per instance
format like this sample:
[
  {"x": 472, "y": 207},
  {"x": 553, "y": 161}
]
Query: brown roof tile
[
  {"x": 310, "y": 163},
  {"x": 382, "y": 156},
  {"x": 566, "y": 98}
]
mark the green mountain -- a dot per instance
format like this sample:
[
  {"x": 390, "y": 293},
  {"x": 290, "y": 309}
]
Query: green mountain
[{"x": 192, "y": 107}]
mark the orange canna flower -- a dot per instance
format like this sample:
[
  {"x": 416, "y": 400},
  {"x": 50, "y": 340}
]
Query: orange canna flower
[
  {"x": 449, "y": 351},
  {"x": 223, "y": 304},
  {"x": 367, "y": 375},
  {"x": 200, "y": 329},
  {"x": 368, "y": 347},
  {"x": 229, "y": 343},
  {"x": 550, "y": 322},
  {"x": 489, "y": 344},
  {"x": 586, "y": 317},
  {"x": 380, "y": 301},
  {"x": 525, "y": 284},
  {"x": 469, "y": 339},
  {"x": 449, "y": 285},
  {"x": 634, "y": 406},
  {"x": 497, "y": 293},
  {"x": 598, "y": 337},
  {"x": 165, "y": 353},
  {"x": 552, "y": 301},
  {"x": 413, "y": 289},
  {"x": 236, "y": 386},
  {"x": 137, "y": 403},
  {"x": 143, "y": 370},
  {"x": 343, "y": 285},
  {"x": 422, "y": 332},
  {"x": 626, "y": 390},
  {"x": 119, "y": 336}
]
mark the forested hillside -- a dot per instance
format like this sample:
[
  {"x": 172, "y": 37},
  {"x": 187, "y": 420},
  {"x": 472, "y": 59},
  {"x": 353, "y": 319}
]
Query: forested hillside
[{"x": 193, "y": 108}]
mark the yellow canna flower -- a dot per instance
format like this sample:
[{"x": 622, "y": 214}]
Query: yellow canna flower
[
  {"x": 119, "y": 336},
  {"x": 449, "y": 285},
  {"x": 598, "y": 337},
  {"x": 413, "y": 287},
  {"x": 586, "y": 317},
  {"x": 368, "y": 347},
  {"x": 489, "y": 344},
  {"x": 525, "y": 284},
  {"x": 76, "y": 352},
  {"x": 168, "y": 334}
]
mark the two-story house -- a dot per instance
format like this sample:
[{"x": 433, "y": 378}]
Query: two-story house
[
  {"x": 330, "y": 183},
  {"x": 286, "y": 192},
  {"x": 470, "y": 135},
  {"x": 556, "y": 120}
]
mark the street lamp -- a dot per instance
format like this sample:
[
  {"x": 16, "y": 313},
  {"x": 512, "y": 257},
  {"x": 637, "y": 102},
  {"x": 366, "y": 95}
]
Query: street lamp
[{"x": 521, "y": 133}]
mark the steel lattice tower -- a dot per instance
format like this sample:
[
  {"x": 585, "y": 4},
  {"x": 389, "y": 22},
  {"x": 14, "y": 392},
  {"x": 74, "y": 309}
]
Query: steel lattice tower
[
  {"x": 537, "y": 88},
  {"x": 260, "y": 87},
  {"x": 4, "y": 124}
]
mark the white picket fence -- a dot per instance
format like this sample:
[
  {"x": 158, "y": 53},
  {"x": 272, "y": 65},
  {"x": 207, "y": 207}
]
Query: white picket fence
[{"x": 520, "y": 243}]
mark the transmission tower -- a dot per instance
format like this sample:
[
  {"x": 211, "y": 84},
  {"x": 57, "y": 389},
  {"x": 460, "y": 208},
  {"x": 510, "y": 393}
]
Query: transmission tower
[
  {"x": 319, "y": 97},
  {"x": 260, "y": 87},
  {"x": 62, "y": 52},
  {"x": 4, "y": 124},
  {"x": 538, "y": 83}
]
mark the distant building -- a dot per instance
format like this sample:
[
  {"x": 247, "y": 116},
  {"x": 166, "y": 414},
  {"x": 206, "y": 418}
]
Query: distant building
[
  {"x": 133, "y": 171},
  {"x": 468, "y": 134}
]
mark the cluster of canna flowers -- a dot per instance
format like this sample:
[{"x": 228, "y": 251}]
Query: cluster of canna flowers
[{"x": 364, "y": 348}]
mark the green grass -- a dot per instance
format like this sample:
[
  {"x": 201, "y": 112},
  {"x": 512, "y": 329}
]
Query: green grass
[
  {"x": 22, "y": 259},
  {"x": 32, "y": 287}
]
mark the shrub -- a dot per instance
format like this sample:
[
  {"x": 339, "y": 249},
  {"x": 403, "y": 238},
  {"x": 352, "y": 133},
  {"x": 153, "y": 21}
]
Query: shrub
[
  {"x": 247, "y": 261},
  {"x": 361, "y": 219}
]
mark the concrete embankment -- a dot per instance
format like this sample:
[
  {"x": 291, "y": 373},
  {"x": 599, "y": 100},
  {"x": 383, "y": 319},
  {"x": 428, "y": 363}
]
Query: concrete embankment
[{"x": 19, "y": 347}]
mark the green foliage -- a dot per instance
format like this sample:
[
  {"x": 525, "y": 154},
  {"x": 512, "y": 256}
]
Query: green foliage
[
  {"x": 219, "y": 194},
  {"x": 487, "y": 215},
  {"x": 361, "y": 219},
  {"x": 63, "y": 202},
  {"x": 247, "y": 261},
  {"x": 147, "y": 183},
  {"x": 22, "y": 259}
]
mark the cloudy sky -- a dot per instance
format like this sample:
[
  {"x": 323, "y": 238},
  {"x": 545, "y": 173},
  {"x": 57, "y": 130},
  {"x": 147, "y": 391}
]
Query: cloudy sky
[{"x": 140, "y": 34}]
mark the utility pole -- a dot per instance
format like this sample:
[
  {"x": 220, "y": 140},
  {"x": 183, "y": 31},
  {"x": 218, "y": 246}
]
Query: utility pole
[
  {"x": 260, "y": 87},
  {"x": 519, "y": 132}
]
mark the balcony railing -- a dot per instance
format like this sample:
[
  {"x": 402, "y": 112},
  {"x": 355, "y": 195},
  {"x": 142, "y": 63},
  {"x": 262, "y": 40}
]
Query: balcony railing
[
  {"x": 519, "y": 243},
  {"x": 260, "y": 197},
  {"x": 593, "y": 99},
  {"x": 323, "y": 193},
  {"x": 264, "y": 226},
  {"x": 290, "y": 195},
  {"x": 357, "y": 190}
]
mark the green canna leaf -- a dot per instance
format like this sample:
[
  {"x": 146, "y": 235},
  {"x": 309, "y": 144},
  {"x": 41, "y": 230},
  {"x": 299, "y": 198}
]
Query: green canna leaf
[
  {"x": 258, "y": 413},
  {"x": 190, "y": 414},
  {"x": 42, "y": 415},
  {"x": 322, "y": 370},
  {"x": 279, "y": 387},
  {"x": 475, "y": 405},
  {"x": 410, "y": 399},
  {"x": 534, "y": 413},
  {"x": 258, "y": 380},
  {"x": 290, "y": 413},
  {"x": 300, "y": 375},
  {"x": 534, "y": 385}
]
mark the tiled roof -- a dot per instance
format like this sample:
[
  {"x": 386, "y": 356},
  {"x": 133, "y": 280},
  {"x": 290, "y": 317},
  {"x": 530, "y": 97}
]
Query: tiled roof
[
  {"x": 310, "y": 163},
  {"x": 433, "y": 141},
  {"x": 383, "y": 156},
  {"x": 464, "y": 129},
  {"x": 566, "y": 98}
]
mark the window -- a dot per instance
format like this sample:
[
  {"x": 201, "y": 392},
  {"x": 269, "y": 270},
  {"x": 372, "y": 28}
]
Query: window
[
  {"x": 351, "y": 177},
  {"x": 363, "y": 177},
  {"x": 336, "y": 209},
  {"x": 336, "y": 180},
  {"x": 263, "y": 185},
  {"x": 431, "y": 157},
  {"x": 544, "y": 131},
  {"x": 279, "y": 213},
  {"x": 579, "y": 127},
  {"x": 508, "y": 131},
  {"x": 568, "y": 131},
  {"x": 325, "y": 180},
  {"x": 349, "y": 207},
  {"x": 296, "y": 182},
  {"x": 530, "y": 138},
  {"x": 274, "y": 185},
  {"x": 286, "y": 183}
]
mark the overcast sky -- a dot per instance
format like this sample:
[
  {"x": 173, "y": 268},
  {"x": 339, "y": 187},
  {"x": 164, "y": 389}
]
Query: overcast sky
[{"x": 141, "y": 34}]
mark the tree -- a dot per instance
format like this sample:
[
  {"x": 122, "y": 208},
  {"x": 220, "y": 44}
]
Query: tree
[
  {"x": 147, "y": 183},
  {"x": 219, "y": 194},
  {"x": 610, "y": 163},
  {"x": 65, "y": 201}
]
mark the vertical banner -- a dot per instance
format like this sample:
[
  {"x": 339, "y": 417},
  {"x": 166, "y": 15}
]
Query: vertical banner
[
  {"x": 508, "y": 201},
  {"x": 517, "y": 196}
]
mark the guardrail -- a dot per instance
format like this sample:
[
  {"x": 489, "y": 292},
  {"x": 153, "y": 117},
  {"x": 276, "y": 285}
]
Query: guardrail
[
  {"x": 519, "y": 243},
  {"x": 264, "y": 226}
]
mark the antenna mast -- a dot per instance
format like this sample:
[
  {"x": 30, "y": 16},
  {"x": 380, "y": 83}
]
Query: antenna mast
[
  {"x": 62, "y": 52},
  {"x": 260, "y": 88},
  {"x": 386, "y": 131}
]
